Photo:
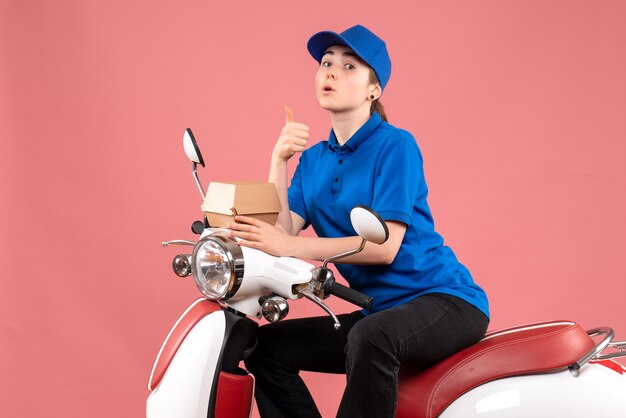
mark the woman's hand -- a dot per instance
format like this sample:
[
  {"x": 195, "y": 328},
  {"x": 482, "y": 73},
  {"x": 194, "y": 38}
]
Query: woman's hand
[
  {"x": 293, "y": 138},
  {"x": 262, "y": 236}
]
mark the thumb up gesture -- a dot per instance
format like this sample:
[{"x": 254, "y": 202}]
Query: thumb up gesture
[{"x": 293, "y": 137}]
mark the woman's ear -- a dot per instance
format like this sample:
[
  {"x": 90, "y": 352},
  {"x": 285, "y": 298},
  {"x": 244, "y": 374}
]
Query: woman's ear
[{"x": 375, "y": 92}]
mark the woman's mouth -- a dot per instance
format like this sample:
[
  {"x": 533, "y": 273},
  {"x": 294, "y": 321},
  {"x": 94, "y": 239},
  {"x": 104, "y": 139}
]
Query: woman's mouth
[{"x": 327, "y": 89}]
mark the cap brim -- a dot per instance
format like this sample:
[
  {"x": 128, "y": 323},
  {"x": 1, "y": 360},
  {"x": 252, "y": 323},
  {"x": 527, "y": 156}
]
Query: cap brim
[{"x": 321, "y": 41}]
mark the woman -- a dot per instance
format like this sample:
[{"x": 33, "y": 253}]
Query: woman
[{"x": 426, "y": 305}]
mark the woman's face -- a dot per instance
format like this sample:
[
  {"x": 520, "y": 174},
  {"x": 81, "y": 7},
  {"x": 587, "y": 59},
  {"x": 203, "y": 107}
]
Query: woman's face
[{"x": 342, "y": 82}]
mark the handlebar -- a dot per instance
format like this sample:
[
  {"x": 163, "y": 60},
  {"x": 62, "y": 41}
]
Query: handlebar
[{"x": 351, "y": 295}]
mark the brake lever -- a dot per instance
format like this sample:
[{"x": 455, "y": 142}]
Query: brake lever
[{"x": 308, "y": 293}]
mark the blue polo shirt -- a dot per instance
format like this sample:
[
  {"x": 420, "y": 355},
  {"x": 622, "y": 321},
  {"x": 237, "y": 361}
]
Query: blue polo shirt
[{"x": 380, "y": 166}]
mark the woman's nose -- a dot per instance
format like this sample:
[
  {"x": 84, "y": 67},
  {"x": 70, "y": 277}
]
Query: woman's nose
[{"x": 331, "y": 74}]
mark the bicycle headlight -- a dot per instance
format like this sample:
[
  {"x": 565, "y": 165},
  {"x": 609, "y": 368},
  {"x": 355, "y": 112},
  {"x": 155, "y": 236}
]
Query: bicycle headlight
[{"x": 217, "y": 266}]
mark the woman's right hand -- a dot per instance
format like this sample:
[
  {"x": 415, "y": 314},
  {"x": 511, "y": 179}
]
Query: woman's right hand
[{"x": 293, "y": 138}]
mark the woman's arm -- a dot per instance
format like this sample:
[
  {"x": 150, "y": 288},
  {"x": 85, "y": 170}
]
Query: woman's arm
[
  {"x": 278, "y": 176},
  {"x": 289, "y": 221},
  {"x": 321, "y": 248},
  {"x": 292, "y": 139},
  {"x": 263, "y": 236}
]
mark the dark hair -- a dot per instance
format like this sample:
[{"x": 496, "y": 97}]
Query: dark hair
[{"x": 377, "y": 106}]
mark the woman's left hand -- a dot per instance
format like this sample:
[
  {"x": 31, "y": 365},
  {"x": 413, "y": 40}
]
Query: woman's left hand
[{"x": 261, "y": 235}]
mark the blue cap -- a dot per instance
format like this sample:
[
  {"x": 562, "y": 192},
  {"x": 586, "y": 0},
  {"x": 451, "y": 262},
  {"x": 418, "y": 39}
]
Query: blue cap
[{"x": 369, "y": 47}]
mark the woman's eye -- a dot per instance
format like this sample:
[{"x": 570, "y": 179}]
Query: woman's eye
[
  {"x": 349, "y": 67},
  {"x": 326, "y": 64}
]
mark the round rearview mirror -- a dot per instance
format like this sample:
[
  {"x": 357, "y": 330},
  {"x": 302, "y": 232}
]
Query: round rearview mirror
[
  {"x": 191, "y": 147},
  {"x": 368, "y": 224}
]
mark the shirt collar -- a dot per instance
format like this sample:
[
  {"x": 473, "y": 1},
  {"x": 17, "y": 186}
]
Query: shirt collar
[{"x": 364, "y": 132}]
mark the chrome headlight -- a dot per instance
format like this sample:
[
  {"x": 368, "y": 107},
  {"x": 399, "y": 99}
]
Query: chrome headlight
[{"x": 217, "y": 266}]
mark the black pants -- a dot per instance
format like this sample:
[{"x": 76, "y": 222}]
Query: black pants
[{"x": 369, "y": 349}]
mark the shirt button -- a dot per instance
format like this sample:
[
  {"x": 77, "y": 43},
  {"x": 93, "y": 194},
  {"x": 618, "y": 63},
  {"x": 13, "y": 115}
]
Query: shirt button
[
  {"x": 340, "y": 162},
  {"x": 336, "y": 179}
]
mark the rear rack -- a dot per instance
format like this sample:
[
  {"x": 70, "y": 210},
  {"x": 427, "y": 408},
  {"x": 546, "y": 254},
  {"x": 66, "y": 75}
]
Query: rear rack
[{"x": 618, "y": 347}]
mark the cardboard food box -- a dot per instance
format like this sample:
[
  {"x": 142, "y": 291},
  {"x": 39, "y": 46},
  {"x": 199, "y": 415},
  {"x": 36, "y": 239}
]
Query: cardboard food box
[{"x": 255, "y": 199}]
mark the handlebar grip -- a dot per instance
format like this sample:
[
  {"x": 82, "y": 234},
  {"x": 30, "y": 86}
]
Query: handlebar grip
[{"x": 351, "y": 295}]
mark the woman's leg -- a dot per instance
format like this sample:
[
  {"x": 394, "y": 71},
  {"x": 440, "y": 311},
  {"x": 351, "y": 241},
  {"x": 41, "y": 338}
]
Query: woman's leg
[
  {"x": 284, "y": 349},
  {"x": 419, "y": 332}
]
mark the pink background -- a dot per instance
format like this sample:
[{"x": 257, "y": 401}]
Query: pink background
[{"x": 518, "y": 106}]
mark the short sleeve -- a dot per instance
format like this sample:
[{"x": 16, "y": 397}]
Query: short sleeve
[
  {"x": 296, "y": 197},
  {"x": 399, "y": 179}
]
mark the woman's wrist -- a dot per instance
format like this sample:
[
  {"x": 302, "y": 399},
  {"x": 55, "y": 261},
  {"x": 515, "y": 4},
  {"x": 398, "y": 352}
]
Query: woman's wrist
[
  {"x": 277, "y": 159},
  {"x": 278, "y": 171}
]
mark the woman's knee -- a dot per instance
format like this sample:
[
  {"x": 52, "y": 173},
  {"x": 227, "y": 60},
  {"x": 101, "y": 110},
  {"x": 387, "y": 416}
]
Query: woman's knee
[{"x": 368, "y": 336}]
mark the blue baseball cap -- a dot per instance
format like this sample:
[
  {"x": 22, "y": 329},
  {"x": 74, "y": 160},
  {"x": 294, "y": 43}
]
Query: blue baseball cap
[{"x": 369, "y": 47}]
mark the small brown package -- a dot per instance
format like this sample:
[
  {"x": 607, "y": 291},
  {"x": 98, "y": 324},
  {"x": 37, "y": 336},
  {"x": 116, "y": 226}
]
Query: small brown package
[{"x": 224, "y": 200}]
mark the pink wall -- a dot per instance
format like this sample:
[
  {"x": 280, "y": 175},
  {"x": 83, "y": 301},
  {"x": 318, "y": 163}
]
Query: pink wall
[{"x": 519, "y": 108}]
